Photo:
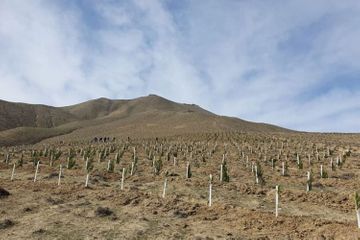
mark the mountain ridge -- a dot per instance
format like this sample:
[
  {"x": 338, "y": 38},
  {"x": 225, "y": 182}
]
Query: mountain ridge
[{"x": 152, "y": 115}]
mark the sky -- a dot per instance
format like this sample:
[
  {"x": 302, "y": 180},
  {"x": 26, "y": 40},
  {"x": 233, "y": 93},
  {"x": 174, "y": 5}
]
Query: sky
[{"x": 292, "y": 63}]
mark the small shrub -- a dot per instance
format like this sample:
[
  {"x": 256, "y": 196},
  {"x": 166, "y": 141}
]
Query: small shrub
[{"x": 103, "y": 212}]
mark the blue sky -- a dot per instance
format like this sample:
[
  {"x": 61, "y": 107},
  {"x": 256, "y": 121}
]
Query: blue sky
[{"x": 292, "y": 63}]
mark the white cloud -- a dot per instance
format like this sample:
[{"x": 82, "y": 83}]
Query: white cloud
[
  {"x": 269, "y": 61},
  {"x": 39, "y": 48}
]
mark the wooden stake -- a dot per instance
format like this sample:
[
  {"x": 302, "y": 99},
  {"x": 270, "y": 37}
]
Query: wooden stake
[
  {"x": 276, "y": 201},
  {"x": 87, "y": 180},
  {"x": 132, "y": 168},
  {"x": 60, "y": 172},
  {"x": 13, "y": 172},
  {"x": 210, "y": 191},
  {"x": 221, "y": 172},
  {"x": 122, "y": 179},
  {"x": 164, "y": 189},
  {"x": 321, "y": 171},
  {"x": 36, "y": 171},
  {"x": 357, "y": 208},
  {"x": 187, "y": 170},
  {"x": 51, "y": 159},
  {"x": 108, "y": 165},
  {"x": 256, "y": 175},
  {"x": 87, "y": 163},
  {"x": 308, "y": 182}
]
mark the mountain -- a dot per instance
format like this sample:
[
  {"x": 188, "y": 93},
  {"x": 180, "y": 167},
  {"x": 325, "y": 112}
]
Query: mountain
[{"x": 148, "y": 116}]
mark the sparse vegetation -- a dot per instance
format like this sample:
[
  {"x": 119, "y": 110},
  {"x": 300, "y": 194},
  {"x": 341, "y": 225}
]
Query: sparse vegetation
[{"x": 162, "y": 182}]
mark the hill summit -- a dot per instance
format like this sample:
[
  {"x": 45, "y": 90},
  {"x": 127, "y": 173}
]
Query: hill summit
[{"x": 148, "y": 116}]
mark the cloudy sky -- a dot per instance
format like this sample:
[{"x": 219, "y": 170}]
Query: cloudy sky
[{"x": 293, "y": 63}]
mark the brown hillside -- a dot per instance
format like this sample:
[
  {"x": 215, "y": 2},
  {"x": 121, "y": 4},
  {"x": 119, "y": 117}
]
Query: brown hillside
[
  {"x": 13, "y": 115},
  {"x": 141, "y": 117}
]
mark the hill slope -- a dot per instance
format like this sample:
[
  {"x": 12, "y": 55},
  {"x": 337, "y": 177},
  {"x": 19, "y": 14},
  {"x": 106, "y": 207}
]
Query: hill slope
[{"x": 141, "y": 117}]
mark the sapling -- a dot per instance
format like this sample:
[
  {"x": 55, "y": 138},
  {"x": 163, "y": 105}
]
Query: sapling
[
  {"x": 89, "y": 165},
  {"x": 150, "y": 155},
  {"x": 224, "y": 175},
  {"x": 20, "y": 162},
  {"x": 357, "y": 208},
  {"x": 323, "y": 173},
  {"x": 259, "y": 178},
  {"x": 71, "y": 162},
  {"x": 7, "y": 158},
  {"x": 51, "y": 159},
  {"x": 157, "y": 163},
  {"x": 35, "y": 159},
  {"x": 299, "y": 162},
  {"x": 188, "y": 171},
  {"x": 72, "y": 153},
  {"x": 106, "y": 153},
  {"x": 102, "y": 155},
  {"x": 46, "y": 151},
  {"x": 110, "y": 166},
  {"x": 339, "y": 161},
  {"x": 117, "y": 158},
  {"x": 332, "y": 165},
  {"x": 57, "y": 154}
]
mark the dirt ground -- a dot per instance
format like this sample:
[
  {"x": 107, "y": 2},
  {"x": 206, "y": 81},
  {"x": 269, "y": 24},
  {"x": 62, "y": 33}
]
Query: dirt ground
[{"x": 241, "y": 208}]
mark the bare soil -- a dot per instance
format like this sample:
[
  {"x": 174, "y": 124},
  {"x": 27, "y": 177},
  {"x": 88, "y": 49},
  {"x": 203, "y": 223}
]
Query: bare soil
[{"x": 241, "y": 208}]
